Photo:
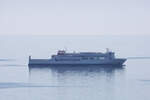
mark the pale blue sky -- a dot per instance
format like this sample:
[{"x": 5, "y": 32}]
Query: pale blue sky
[{"x": 85, "y": 17}]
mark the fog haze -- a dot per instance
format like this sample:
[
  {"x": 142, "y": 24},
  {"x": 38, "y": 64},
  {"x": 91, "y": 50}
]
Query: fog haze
[{"x": 82, "y": 17}]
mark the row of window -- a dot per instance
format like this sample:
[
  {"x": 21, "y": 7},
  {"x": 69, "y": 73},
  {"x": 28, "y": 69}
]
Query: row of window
[
  {"x": 83, "y": 58},
  {"x": 93, "y": 58},
  {"x": 67, "y": 59}
]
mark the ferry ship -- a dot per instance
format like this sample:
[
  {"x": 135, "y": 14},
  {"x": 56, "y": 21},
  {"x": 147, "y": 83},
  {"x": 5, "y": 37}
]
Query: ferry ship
[{"x": 81, "y": 58}]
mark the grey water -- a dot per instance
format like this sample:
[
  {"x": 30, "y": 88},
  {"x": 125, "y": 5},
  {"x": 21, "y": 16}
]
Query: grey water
[{"x": 18, "y": 81}]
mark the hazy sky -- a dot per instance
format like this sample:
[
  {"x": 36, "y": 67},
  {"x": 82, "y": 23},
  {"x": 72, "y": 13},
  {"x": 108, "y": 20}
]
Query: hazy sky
[{"x": 74, "y": 17}]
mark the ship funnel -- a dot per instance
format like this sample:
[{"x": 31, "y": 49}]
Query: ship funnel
[{"x": 29, "y": 57}]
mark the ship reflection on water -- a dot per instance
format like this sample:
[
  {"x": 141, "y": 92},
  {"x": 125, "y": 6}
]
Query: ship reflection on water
[
  {"x": 75, "y": 82},
  {"x": 47, "y": 73}
]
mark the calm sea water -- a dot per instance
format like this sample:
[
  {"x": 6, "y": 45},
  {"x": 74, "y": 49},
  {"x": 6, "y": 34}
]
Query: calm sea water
[{"x": 19, "y": 82}]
